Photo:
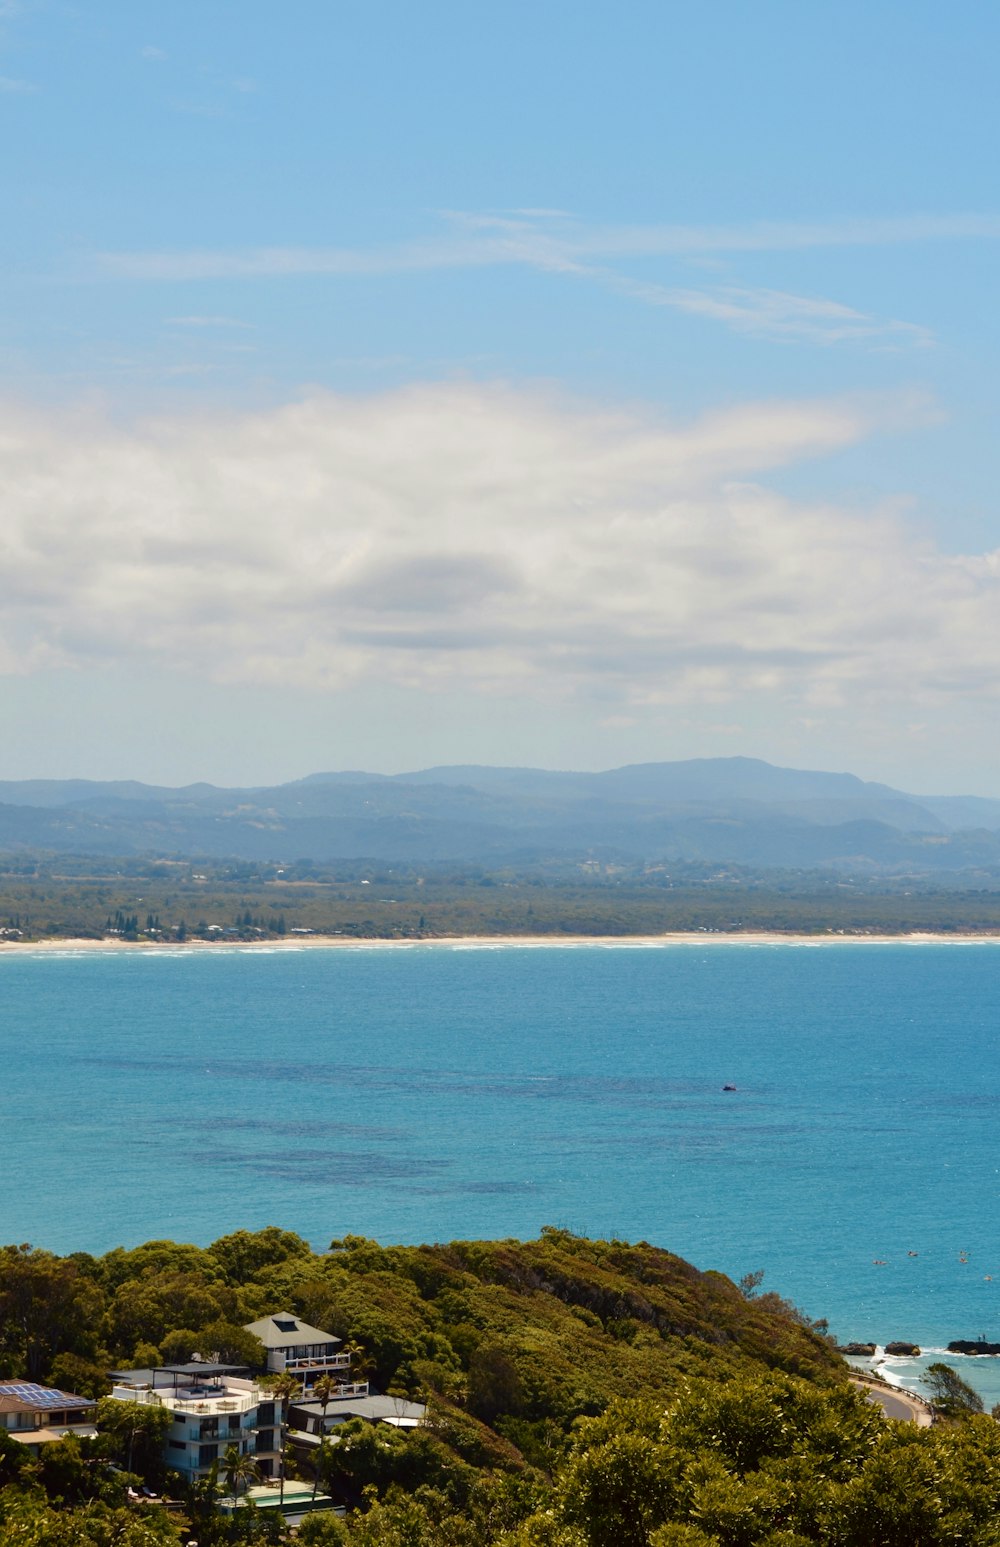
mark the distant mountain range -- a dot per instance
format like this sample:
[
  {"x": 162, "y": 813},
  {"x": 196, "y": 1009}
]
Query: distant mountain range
[{"x": 727, "y": 810}]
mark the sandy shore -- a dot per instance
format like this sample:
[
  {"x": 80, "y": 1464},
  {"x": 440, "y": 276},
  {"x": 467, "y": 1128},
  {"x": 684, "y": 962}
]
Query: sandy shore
[{"x": 492, "y": 942}]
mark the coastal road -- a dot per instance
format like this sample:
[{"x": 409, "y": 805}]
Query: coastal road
[{"x": 896, "y": 1404}]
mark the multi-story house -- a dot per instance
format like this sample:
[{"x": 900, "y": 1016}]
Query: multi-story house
[
  {"x": 35, "y": 1414},
  {"x": 212, "y": 1406},
  {"x": 305, "y": 1352}
]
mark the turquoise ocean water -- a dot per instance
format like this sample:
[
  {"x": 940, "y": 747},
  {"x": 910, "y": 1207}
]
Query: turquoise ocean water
[{"x": 433, "y": 1092}]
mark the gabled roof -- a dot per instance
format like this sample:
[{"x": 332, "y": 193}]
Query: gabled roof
[{"x": 283, "y": 1330}]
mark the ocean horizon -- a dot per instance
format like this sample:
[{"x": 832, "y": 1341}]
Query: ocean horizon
[{"x": 457, "y": 1089}]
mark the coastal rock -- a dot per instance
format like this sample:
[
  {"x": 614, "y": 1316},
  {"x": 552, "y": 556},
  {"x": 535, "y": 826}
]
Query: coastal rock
[
  {"x": 902, "y": 1350},
  {"x": 967, "y": 1346},
  {"x": 858, "y": 1350}
]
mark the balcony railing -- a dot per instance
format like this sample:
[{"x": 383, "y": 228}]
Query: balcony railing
[
  {"x": 189, "y": 1406},
  {"x": 320, "y": 1362}
]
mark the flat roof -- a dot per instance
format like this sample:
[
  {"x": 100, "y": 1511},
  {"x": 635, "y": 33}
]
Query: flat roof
[
  {"x": 198, "y": 1369},
  {"x": 375, "y": 1409}
]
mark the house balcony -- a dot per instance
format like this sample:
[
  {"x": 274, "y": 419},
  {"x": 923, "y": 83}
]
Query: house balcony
[{"x": 319, "y": 1363}]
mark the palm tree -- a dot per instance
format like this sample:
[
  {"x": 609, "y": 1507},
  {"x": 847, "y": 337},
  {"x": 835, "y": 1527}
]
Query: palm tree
[
  {"x": 361, "y": 1361},
  {"x": 238, "y": 1467},
  {"x": 285, "y": 1388},
  {"x": 325, "y": 1389}
]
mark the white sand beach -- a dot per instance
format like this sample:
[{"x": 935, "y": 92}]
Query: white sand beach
[{"x": 495, "y": 942}]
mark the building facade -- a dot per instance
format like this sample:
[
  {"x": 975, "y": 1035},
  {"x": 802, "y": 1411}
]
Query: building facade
[
  {"x": 212, "y": 1406},
  {"x": 303, "y": 1351}
]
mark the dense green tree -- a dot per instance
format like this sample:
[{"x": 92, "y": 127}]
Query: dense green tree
[
  {"x": 176, "y": 1348},
  {"x": 133, "y": 1434},
  {"x": 494, "y": 1383},
  {"x": 122, "y": 1265},
  {"x": 83, "y": 1377},
  {"x": 16, "y": 1461},
  {"x": 146, "y": 1308},
  {"x": 949, "y": 1392},
  {"x": 323, "y": 1530},
  {"x": 48, "y": 1307},
  {"x": 30, "y": 1521},
  {"x": 243, "y": 1254},
  {"x": 231, "y": 1344}
]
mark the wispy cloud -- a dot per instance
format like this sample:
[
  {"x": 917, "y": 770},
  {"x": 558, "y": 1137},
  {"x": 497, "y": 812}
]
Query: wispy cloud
[
  {"x": 10, "y": 86},
  {"x": 787, "y": 236},
  {"x": 154, "y": 54},
  {"x": 543, "y": 239},
  {"x": 554, "y": 242},
  {"x": 195, "y": 109},
  {"x": 282, "y": 262},
  {"x": 207, "y": 322},
  {"x": 450, "y": 536},
  {"x": 776, "y": 314}
]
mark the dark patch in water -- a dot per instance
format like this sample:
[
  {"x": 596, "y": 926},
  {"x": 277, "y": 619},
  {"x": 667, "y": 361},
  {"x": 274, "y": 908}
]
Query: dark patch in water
[
  {"x": 323, "y": 1166},
  {"x": 642, "y": 1092},
  {"x": 290, "y": 1128}
]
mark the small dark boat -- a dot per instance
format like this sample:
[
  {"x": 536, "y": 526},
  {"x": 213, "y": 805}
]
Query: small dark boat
[{"x": 729, "y": 1087}]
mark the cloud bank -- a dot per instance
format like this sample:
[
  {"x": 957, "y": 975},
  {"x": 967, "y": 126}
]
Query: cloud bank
[{"x": 459, "y": 535}]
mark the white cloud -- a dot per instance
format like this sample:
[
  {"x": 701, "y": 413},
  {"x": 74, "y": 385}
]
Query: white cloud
[
  {"x": 457, "y": 535},
  {"x": 11, "y": 87}
]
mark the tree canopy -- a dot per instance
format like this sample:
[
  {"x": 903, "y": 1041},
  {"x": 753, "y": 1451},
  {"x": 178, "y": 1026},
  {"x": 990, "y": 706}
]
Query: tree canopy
[{"x": 579, "y": 1394}]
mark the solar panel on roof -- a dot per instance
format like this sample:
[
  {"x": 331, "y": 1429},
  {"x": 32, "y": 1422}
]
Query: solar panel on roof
[{"x": 40, "y": 1396}]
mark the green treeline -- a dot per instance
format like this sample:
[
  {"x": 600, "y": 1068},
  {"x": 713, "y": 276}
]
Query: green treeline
[
  {"x": 580, "y": 1394},
  {"x": 160, "y": 900}
]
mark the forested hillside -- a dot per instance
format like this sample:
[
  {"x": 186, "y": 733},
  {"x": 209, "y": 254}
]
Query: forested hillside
[
  {"x": 714, "y": 810},
  {"x": 580, "y": 1394}
]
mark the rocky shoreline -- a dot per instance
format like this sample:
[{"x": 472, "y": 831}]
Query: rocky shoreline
[
  {"x": 894, "y": 1350},
  {"x": 903, "y": 1350}
]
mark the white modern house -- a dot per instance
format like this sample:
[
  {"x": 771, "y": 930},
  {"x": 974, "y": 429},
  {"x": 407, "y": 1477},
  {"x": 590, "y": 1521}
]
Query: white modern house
[{"x": 212, "y": 1406}]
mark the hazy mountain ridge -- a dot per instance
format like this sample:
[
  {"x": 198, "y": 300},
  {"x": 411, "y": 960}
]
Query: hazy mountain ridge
[{"x": 740, "y": 810}]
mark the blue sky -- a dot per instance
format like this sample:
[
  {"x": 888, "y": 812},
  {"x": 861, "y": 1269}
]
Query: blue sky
[{"x": 549, "y": 383}]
